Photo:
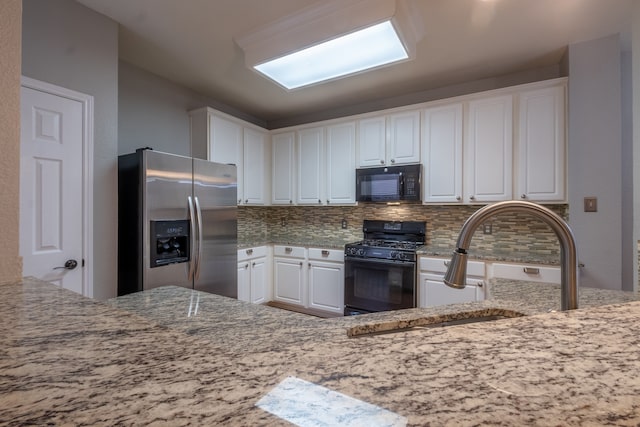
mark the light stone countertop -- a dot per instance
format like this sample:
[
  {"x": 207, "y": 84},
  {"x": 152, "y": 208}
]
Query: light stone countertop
[{"x": 173, "y": 356}]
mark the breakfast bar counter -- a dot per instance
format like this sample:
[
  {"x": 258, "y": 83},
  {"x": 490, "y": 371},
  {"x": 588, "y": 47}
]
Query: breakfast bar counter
[{"x": 173, "y": 356}]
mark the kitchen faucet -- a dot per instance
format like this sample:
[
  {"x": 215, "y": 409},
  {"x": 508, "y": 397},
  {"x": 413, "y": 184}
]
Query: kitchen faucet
[{"x": 457, "y": 270}]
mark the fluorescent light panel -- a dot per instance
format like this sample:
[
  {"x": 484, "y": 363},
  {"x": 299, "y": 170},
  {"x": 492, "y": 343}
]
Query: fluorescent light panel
[{"x": 354, "y": 52}]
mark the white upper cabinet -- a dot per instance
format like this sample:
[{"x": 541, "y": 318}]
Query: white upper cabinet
[
  {"x": 389, "y": 140},
  {"x": 232, "y": 141},
  {"x": 488, "y": 150},
  {"x": 256, "y": 155},
  {"x": 442, "y": 154},
  {"x": 310, "y": 166},
  {"x": 282, "y": 146},
  {"x": 372, "y": 141},
  {"x": 403, "y": 144},
  {"x": 341, "y": 163},
  {"x": 541, "y": 144},
  {"x": 225, "y": 142}
]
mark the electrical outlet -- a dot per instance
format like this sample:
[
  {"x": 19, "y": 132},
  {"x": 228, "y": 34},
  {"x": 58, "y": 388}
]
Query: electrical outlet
[
  {"x": 591, "y": 204},
  {"x": 487, "y": 228},
  {"x": 344, "y": 223}
]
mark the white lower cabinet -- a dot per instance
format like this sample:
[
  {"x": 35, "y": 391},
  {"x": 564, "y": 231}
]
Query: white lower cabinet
[
  {"x": 289, "y": 279},
  {"x": 326, "y": 280},
  {"x": 254, "y": 284},
  {"x": 433, "y": 292},
  {"x": 312, "y": 278}
]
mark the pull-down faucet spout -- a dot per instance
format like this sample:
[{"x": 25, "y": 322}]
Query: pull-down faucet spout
[{"x": 457, "y": 271}]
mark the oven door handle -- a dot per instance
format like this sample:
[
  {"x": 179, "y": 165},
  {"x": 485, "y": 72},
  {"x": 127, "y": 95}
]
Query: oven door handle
[{"x": 381, "y": 261}]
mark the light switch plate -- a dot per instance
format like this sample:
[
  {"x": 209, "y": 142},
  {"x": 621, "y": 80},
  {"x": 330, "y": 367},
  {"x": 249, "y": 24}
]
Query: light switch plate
[{"x": 591, "y": 204}]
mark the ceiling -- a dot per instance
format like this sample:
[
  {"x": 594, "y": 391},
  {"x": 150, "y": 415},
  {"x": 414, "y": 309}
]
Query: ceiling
[{"x": 190, "y": 42}]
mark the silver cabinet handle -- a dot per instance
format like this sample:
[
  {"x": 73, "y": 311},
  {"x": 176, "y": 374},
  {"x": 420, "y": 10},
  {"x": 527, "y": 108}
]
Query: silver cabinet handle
[
  {"x": 253, "y": 264},
  {"x": 458, "y": 198},
  {"x": 301, "y": 263},
  {"x": 393, "y": 161},
  {"x": 472, "y": 197},
  {"x": 246, "y": 266},
  {"x": 319, "y": 201},
  {"x": 325, "y": 253},
  {"x": 523, "y": 196},
  {"x": 446, "y": 263},
  {"x": 382, "y": 162},
  {"x": 531, "y": 270},
  {"x": 480, "y": 284},
  {"x": 246, "y": 200},
  {"x": 249, "y": 251},
  {"x": 239, "y": 200},
  {"x": 288, "y": 250},
  {"x": 290, "y": 202}
]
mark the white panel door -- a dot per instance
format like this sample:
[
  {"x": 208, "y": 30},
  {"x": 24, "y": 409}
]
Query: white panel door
[
  {"x": 404, "y": 138},
  {"x": 225, "y": 146},
  {"x": 488, "y": 150},
  {"x": 282, "y": 168},
  {"x": 326, "y": 286},
  {"x": 244, "y": 281},
  {"x": 310, "y": 166},
  {"x": 255, "y": 149},
  {"x": 288, "y": 281},
  {"x": 51, "y": 188},
  {"x": 372, "y": 141},
  {"x": 259, "y": 281},
  {"x": 341, "y": 163},
  {"x": 442, "y": 154},
  {"x": 541, "y": 145}
]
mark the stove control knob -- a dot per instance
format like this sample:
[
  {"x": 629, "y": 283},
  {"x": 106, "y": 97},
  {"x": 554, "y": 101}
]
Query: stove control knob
[
  {"x": 393, "y": 254},
  {"x": 361, "y": 252}
]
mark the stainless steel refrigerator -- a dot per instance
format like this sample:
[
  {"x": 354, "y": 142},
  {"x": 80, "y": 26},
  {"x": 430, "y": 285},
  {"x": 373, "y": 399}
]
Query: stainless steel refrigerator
[{"x": 177, "y": 223}]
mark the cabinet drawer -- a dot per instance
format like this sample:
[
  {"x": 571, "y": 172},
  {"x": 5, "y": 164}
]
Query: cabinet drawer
[
  {"x": 439, "y": 265},
  {"x": 250, "y": 253},
  {"x": 289, "y": 251},
  {"x": 326, "y": 254},
  {"x": 527, "y": 272}
]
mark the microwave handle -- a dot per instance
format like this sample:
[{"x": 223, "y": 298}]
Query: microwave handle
[{"x": 401, "y": 179}]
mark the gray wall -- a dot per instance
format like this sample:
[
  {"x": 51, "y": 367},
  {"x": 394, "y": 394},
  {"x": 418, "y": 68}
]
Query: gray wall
[
  {"x": 152, "y": 112},
  {"x": 69, "y": 45},
  {"x": 595, "y": 158},
  {"x": 629, "y": 245}
]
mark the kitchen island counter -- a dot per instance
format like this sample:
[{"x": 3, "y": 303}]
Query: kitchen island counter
[{"x": 172, "y": 356}]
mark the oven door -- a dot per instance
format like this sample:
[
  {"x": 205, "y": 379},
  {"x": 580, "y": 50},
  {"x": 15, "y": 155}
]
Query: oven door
[{"x": 379, "y": 285}]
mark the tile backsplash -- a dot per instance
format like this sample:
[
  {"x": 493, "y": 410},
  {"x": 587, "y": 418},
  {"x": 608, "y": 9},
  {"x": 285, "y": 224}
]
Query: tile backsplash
[{"x": 510, "y": 233}]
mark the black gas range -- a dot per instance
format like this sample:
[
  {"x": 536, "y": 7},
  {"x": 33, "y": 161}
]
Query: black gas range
[{"x": 380, "y": 271}]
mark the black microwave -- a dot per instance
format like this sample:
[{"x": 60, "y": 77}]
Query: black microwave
[{"x": 388, "y": 184}]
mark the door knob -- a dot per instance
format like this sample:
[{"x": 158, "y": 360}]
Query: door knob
[{"x": 69, "y": 265}]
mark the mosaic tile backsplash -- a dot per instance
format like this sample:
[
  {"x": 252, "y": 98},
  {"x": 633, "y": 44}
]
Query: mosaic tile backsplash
[{"x": 519, "y": 234}]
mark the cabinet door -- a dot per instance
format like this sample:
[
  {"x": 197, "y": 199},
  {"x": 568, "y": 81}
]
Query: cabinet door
[
  {"x": 442, "y": 154},
  {"x": 341, "y": 163},
  {"x": 433, "y": 292},
  {"x": 244, "y": 282},
  {"x": 259, "y": 294},
  {"x": 226, "y": 141},
  {"x": 255, "y": 158},
  {"x": 225, "y": 146},
  {"x": 372, "y": 141},
  {"x": 489, "y": 150},
  {"x": 326, "y": 286},
  {"x": 288, "y": 280},
  {"x": 541, "y": 145},
  {"x": 310, "y": 166},
  {"x": 403, "y": 144},
  {"x": 282, "y": 168}
]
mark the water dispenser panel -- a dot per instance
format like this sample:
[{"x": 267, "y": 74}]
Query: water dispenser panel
[{"x": 169, "y": 242}]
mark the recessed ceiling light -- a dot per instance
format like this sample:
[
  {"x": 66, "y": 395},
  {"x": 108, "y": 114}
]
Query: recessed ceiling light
[
  {"x": 371, "y": 47},
  {"x": 332, "y": 39}
]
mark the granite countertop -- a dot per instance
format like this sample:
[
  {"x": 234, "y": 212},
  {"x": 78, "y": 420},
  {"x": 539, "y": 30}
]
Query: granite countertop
[{"x": 173, "y": 356}]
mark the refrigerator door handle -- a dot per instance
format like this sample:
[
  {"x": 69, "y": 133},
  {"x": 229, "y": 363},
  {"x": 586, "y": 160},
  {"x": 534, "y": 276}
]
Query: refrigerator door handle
[
  {"x": 192, "y": 227},
  {"x": 199, "y": 221}
]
